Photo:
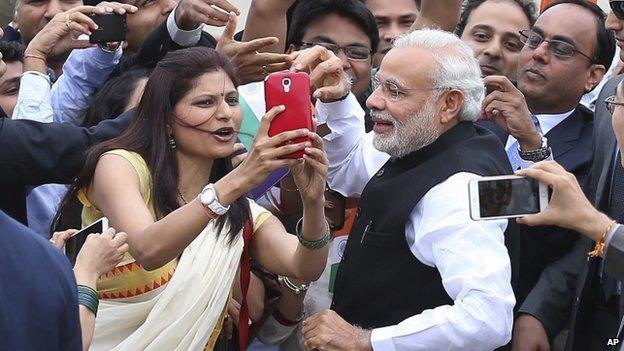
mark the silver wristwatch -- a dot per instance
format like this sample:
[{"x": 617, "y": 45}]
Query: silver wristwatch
[
  {"x": 536, "y": 155},
  {"x": 208, "y": 198}
]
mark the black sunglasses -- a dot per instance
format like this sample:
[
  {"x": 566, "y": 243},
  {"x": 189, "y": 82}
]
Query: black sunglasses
[{"x": 617, "y": 7}]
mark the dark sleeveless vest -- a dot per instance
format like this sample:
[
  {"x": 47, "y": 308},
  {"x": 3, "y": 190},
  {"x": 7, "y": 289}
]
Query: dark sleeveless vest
[{"x": 379, "y": 281}]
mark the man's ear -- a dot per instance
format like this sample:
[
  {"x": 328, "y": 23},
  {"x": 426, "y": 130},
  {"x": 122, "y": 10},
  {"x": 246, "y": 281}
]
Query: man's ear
[
  {"x": 450, "y": 104},
  {"x": 595, "y": 76}
]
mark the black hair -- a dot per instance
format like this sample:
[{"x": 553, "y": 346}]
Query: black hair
[
  {"x": 527, "y": 6},
  {"x": 173, "y": 77},
  {"x": 306, "y": 12},
  {"x": 12, "y": 51},
  {"x": 605, "y": 39},
  {"x": 110, "y": 101}
]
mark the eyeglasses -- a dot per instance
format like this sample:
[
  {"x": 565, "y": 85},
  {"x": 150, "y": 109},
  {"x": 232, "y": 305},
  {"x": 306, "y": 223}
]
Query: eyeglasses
[
  {"x": 617, "y": 7},
  {"x": 393, "y": 91},
  {"x": 353, "y": 52},
  {"x": 611, "y": 104},
  {"x": 559, "y": 48}
]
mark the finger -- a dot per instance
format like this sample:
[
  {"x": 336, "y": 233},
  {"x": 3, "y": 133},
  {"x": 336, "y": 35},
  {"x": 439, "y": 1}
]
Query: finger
[
  {"x": 497, "y": 96},
  {"x": 123, "y": 249},
  {"x": 263, "y": 128},
  {"x": 83, "y": 20},
  {"x": 278, "y": 67},
  {"x": 217, "y": 14},
  {"x": 317, "y": 166},
  {"x": 71, "y": 232},
  {"x": 538, "y": 174},
  {"x": 329, "y": 93},
  {"x": 226, "y": 6},
  {"x": 285, "y": 136},
  {"x": 316, "y": 140},
  {"x": 108, "y": 233},
  {"x": 230, "y": 27},
  {"x": 542, "y": 218},
  {"x": 214, "y": 22},
  {"x": 208, "y": 15},
  {"x": 267, "y": 58},
  {"x": 258, "y": 44},
  {"x": 552, "y": 167},
  {"x": 287, "y": 150},
  {"x": 309, "y": 58},
  {"x": 119, "y": 239},
  {"x": 499, "y": 82},
  {"x": 329, "y": 67},
  {"x": 316, "y": 154}
]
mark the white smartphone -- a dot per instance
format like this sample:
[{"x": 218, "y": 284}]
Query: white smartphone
[
  {"x": 507, "y": 196},
  {"x": 75, "y": 242}
]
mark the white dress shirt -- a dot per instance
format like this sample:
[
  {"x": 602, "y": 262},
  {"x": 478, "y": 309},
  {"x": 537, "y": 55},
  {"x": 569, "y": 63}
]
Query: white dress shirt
[
  {"x": 470, "y": 256},
  {"x": 546, "y": 123}
]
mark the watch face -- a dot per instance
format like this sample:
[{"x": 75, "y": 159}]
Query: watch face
[{"x": 208, "y": 196}]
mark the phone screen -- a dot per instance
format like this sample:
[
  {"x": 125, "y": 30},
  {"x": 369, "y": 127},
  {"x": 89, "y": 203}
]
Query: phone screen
[
  {"x": 74, "y": 244},
  {"x": 508, "y": 197}
]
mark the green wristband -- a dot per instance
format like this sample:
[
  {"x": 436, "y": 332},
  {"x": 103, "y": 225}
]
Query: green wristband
[
  {"x": 313, "y": 245},
  {"x": 88, "y": 298}
]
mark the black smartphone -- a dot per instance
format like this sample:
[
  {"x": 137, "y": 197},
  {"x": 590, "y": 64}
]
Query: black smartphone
[
  {"x": 74, "y": 244},
  {"x": 111, "y": 28}
]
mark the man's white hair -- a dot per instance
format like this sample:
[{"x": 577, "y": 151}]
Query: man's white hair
[{"x": 457, "y": 66}]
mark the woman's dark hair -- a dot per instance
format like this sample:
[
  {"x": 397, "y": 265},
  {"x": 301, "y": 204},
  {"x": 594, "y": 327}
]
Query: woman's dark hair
[
  {"x": 111, "y": 100},
  {"x": 12, "y": 51},
  {"x": 174, "y": 76},
  {"x": 527, "y": 6},
  {"x": 605, "y": 39},
  {"x": 308, "y": 11}
]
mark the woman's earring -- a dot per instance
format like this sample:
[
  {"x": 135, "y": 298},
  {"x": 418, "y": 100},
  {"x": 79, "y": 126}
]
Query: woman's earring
[{"x": 172, "y": 142}]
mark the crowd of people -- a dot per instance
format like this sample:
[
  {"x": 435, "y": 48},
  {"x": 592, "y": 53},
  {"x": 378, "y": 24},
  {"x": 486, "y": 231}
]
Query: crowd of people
[{"x": 365, "y": 242}]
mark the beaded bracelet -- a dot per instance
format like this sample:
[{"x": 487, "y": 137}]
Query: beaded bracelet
[
  {"x": 313, "y": 245},
  {"x": 600, "y": 245},
  {"x": 89, "y": 298}
]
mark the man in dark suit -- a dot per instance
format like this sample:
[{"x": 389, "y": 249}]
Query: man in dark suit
[
  {"x": 566, "y": 54},
  {"x": 38, "y": 296},
  {"x": 577, "y": 284}
]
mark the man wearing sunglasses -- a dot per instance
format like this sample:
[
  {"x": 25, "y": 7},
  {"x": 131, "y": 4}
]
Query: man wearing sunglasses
[{"x": 565, "y": 55}]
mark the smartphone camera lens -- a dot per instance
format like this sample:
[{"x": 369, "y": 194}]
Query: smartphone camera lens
[{"x": 286, "y": 84}]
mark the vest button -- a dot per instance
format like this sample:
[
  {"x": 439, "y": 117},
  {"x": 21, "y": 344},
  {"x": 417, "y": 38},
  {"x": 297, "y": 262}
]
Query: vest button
[
  {"x": 358, "y": 212},
  {"x": 381, "y": 172}
]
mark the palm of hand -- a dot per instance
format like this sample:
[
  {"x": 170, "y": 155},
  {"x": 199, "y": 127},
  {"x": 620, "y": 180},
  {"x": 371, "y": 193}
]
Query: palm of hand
[{"x": 308, "y": 181}]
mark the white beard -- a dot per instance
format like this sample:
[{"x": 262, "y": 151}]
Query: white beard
[{"x": 418, "y": 131}]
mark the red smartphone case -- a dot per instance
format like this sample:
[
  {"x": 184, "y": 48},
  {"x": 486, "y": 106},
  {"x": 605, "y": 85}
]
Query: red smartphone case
[{"x": 291, "y": 89}]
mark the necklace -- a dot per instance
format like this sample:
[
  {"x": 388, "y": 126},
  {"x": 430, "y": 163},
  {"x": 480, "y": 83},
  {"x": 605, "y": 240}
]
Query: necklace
[{"x": 182, "y": 197}]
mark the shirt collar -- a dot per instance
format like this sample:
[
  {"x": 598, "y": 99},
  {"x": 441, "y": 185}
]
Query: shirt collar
[{"x": 550, "y": 121}]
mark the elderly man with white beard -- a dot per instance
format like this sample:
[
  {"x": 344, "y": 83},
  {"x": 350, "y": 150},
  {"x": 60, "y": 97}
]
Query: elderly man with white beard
[{"x": 417, "y": 273}]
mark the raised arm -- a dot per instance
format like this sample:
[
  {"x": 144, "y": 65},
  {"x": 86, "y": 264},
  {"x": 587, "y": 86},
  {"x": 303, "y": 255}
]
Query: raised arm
[
  {"x": 443, "y": 14},
  {"x": 267, "y": 18}
]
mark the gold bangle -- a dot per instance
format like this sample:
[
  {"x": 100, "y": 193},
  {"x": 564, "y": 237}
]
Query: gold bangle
[{"x": 600, "y": 244}]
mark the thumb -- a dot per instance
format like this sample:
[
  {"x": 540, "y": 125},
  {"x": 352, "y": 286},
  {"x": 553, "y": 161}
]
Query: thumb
[{"x": 230, "y": 27}]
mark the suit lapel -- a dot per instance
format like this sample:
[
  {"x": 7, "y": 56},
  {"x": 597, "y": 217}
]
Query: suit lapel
[
  {"x": 564, "y": 135},
  {"x": 604, "y": 142}
]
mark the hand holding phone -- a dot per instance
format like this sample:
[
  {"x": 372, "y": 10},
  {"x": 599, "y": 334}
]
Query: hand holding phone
[
  {"x": 506, "y": 197},
  {"x": 76, "y": 241},
  {"x": 292, "y": 90},
  {"x": 111, "y": 28}
]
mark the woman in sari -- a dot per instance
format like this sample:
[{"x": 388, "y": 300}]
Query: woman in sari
[{"x": 168, "y": 182}]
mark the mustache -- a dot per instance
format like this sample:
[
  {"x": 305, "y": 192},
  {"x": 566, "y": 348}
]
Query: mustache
[{"x": 382, "y": 116}]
